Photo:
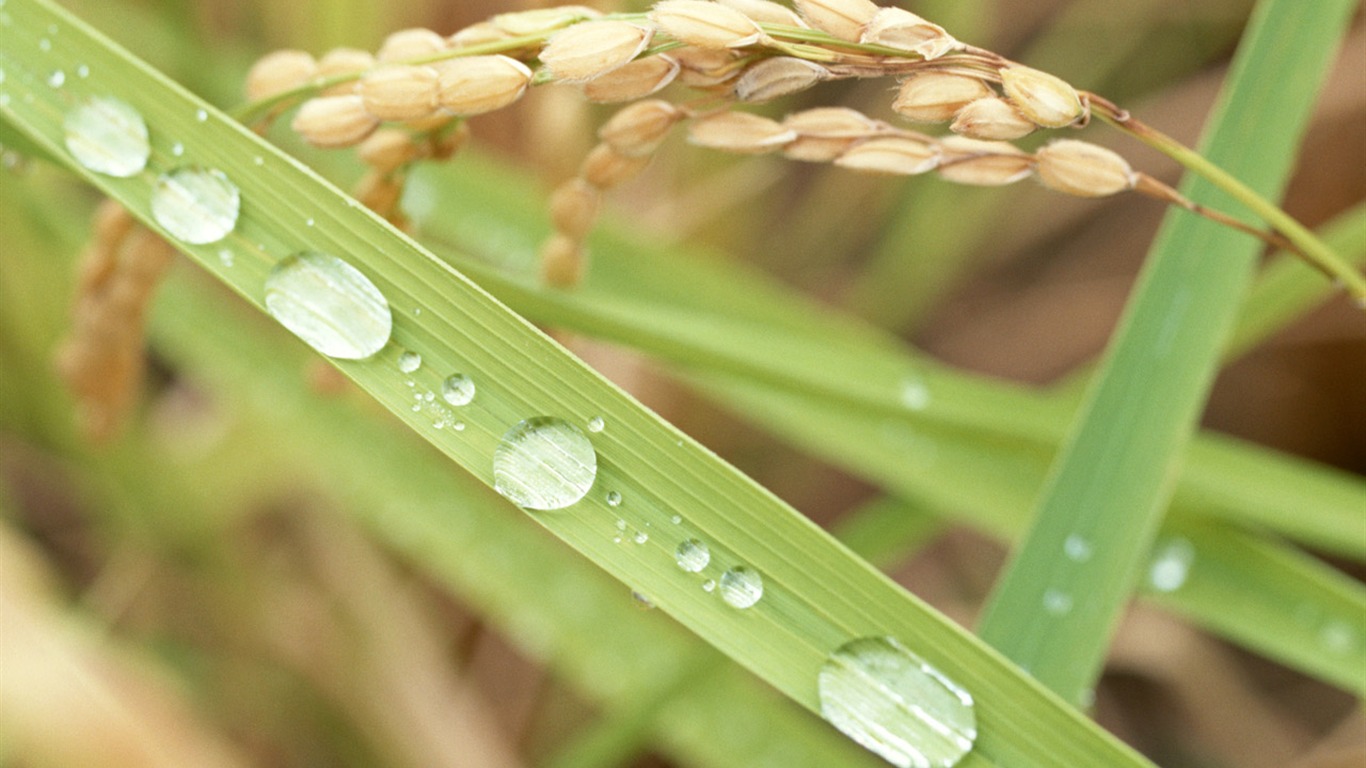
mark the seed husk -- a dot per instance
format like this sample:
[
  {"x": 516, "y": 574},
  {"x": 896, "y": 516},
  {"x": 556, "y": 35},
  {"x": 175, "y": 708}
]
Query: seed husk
[
  {"x": 408, "y": 44},
  {"x": 891, "y": 155},
  {"x": 387, "y": 149},
  {"x": 538, "y": 20},
  {"x": 739, "y": 132},
  {"x": 605, "y": 167},
  {"x": 278, "y": 72},
  {"x": 334, "y": 121},
  {"x": 705, "y": 24},
  {"x": 344, "y": 61},
  {"x": 935, "y": 97},
  {"x": 562, "y": 261},
  {"x": 574, "y": 207},
  {"x": 400, "y": 92},
  {"x": 844, "y": 19},
  {"x": 901, "y": 29},
  {"x": 473, "y": 85},
  {"x": 635, "y": 80},
  {"x": 593, "y": 48},
  {"x": 982, "y": 163},
  {"x": 777, "y": 76},
  {"x": 1083, "y": 169},
  {"x": 1047, "y": 100},
  {"x": 992, "y": 119},
  {"x": 765, "y": 12},
  {"x": 639, "y": 129}
]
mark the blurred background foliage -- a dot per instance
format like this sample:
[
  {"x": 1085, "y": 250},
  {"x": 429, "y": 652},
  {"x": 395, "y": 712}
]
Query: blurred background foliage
[{"x": 194, "y": 594}]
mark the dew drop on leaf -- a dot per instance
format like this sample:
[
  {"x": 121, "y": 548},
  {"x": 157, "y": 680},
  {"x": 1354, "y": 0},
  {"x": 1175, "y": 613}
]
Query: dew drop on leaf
[
  {"x": 883, "y": 696},
  {"x": 457, "y": 389},
  {"x": 741, "y": 587},
  {"x": 409, "y": 362},
  {"x": 692, "y": 555},
  {"x": 329, "y": 304},
  {"x": 196, "y": 205},
  {"x": 544, "y": 463},
  {"x": 107, "y": 136}
]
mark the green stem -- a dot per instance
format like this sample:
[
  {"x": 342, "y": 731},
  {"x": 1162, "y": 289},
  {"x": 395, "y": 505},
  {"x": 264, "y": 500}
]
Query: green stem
[{"x": 1309, "y": 246}]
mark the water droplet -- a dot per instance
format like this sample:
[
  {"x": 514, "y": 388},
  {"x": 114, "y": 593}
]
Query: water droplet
[
  {"x": 457, "y": 389},
  {"x": 692, "y": 555},
  {"x": 741, "y": 587},
  {"x": 417, "y": 311},
  {"x": 410, "y": 361},
  {"x": 329, "y": 304},
  {"x": 196, "y": 205},
  {"x": 1077, "y": 548},
  {"x": 82, "y": 71},
  {"x": 914, "y": 394},
  {"x": 596, "y": 424},
  {"x": 107, "y": 136},
  {"x": 57, "y": 79},
  {"x": 309, "y": 222},
  {"x": 645, "y": 603},
  {"x": 225, "y": 256},
  {"x": 258, "y": 160},
  {"x": 177, "y": 149},
  {"x": 1057, "y": 602},
  {"x": 1338, "y": 637},
  {"x": 201, "y": 115},
  {"x": 708, "y": 585},
  {"x": 459, "y": 426},
  {"x": 641, "y": 537},
  {"x": 621, "y": 524},
  {"x": 544, "y": 463},
  {"x": 676, "y": 519},
  {"x": 1171, "y": 565},
  {"x": 883, "y": 696},
  {"x": 613, "y": 499},
  {"x": 44, "y": 45}
]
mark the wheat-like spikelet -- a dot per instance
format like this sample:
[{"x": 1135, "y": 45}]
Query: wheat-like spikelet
[{"x": 727, "y": 52}]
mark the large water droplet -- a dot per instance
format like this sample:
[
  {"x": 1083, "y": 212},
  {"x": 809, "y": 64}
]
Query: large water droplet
[
  {"x": 107, "y": 136},
  {"x": 457, "y": 389},
  {"x": 196, "y": 205},
  {"x": 891, "y": 701},
  {"x": 329, "y": 304},
  {"x": 544, "y": 463},
  {"x": 692, "y": 555},
  {"x": 741, "y": 587},
  {"x": 1171, "y": 565}
]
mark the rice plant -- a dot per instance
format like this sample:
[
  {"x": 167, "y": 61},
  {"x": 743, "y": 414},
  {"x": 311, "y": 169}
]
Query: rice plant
[{"x": 227, "y": 547}]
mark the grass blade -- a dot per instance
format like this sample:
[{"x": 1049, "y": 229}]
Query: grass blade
[
  {"x": 1114, "y": 477},
  {"x": 817, "y": 595}
]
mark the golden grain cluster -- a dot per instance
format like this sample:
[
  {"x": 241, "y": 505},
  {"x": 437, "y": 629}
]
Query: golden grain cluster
[{"x": 411, "y": 99}]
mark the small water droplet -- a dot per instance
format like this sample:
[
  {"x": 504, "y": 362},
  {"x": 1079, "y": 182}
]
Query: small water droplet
[
  {"x": 44, "y": 45},
  {"x": 616, "y": 539},
  {"x": 1338, "y": 637},
  {"x": 676, "y": 519},
  {"x": 417, "y": 311},
  {"x": 429, "y": 397},
  {"x": 596, "y": 424},
  {"x": 329, "y": 304},
  {"x": 1057, "y": 602},
  {"x": 741, "y": 587},
  {"x": 225, "y": 256},
  {"x": 107, "y": 136},
  {"x": 1077, "y": 548},
  {"x": 196, "y": 205},
  {"x": 692, "y": 555},
  {"x": 409, "y": 361},
  {"x": 708, "y": 585},
  {"x": 258, "y": 160},
  {"x": 57, "y": 79},
  {"x": 459, "y": 426},
  {"x": 914, "y": 394},
  {"x": 457, "y": 389},
  {"x": 177, "y": 149},
  {"x": 309, "y": 222},
  {"x": 613, "y": 499},
  {"x": 82, "y": 71},
  {"x": 52, "y": 30},
  {"x": 201, "y": 115},
  {"x": 883, "y": 696},
  {"x": 641, "y": 537},
  {"x": 1171, "y": 564},
  {"x": 642, "y": 601},
  {"x": 544, "y": 463},
  {"x": 621, "y": 524}
]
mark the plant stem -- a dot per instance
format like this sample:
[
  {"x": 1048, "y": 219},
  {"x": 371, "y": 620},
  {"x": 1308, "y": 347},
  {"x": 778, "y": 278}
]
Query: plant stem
[{"x": 1306, "y": 243}]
